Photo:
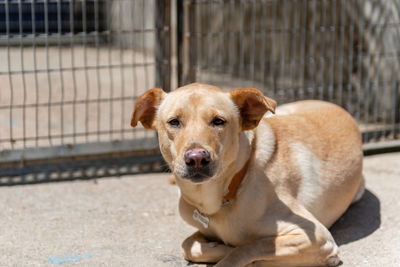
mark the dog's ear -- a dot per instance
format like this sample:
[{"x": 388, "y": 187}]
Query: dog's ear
[
  {"x": 146, "y": 107},
  {"x": 252, "y": 105}
]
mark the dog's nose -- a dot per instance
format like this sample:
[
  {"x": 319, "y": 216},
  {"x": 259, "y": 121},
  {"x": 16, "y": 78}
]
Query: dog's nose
[{"x": 197, "y": 158}]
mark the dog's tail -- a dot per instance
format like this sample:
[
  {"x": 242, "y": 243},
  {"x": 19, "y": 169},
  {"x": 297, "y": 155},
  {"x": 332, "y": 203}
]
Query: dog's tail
[{"x": 360, "y": 191}]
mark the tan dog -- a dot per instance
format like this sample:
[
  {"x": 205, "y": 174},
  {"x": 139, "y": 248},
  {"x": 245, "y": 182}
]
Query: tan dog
[{"x": 261, "y": 191}]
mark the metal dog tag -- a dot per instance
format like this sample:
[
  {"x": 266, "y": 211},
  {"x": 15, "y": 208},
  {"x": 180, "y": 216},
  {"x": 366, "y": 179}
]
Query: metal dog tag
[{"x": 201, "y": 218}]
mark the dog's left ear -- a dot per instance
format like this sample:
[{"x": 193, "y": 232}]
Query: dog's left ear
[
  {"x": 146, "y": 108},
  {"x": 252, "y": 105}
]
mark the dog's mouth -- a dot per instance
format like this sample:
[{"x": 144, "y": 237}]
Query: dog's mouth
[{"x": 197, "y": 175}]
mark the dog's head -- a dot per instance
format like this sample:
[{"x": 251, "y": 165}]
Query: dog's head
[{"x": 199, "y": 126}]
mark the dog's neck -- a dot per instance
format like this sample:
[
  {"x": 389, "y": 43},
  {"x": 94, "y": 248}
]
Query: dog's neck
[
  {"x": 208, "y": 197},
  {"x": 235, "y": 183}
]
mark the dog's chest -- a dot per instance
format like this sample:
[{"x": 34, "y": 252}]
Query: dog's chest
[
  {"x": 231, "y": 229},
  {"x": 226, "y": 225},
  {"x": 231, "y": 224}
]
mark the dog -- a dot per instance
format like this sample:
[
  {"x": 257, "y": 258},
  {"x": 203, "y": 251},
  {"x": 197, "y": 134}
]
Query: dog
[{"x": 261, "y": 190}]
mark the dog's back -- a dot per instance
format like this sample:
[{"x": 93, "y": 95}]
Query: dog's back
[{"x": 324, "y": 145}]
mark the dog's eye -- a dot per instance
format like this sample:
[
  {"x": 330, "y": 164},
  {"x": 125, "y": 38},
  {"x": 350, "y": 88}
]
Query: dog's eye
[
  {"x": 174, "y": 123},
  {"x": 217, "y": 122}
]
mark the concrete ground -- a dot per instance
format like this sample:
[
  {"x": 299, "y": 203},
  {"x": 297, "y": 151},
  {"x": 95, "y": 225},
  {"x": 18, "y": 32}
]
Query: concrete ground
[{"x": 133, "y": 221}]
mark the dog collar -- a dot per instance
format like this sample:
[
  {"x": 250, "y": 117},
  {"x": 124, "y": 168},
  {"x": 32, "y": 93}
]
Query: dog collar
[{"x": 234, "y": 185}]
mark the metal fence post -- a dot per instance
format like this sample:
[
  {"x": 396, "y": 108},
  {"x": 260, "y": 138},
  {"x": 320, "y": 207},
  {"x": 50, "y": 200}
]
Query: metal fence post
[
  {"x": 187, "y": 46},
  {"x": 163, "y": 44},
  {"x": 179, "y": 39}
]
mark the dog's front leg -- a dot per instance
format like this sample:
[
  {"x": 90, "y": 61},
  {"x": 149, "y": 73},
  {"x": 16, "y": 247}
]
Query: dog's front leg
[
  {"x": 197, "y": 248},
  {"x": 285, "y": 250}
]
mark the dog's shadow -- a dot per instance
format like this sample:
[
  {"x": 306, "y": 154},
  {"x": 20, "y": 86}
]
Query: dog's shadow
[{"x": 360, "y": 220}]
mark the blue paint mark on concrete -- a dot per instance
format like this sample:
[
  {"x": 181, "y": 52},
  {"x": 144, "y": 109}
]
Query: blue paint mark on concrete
[{"x": 59, "y": 259}]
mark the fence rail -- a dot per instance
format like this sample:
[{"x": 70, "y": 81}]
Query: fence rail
[{"x": 71, "y": 69}]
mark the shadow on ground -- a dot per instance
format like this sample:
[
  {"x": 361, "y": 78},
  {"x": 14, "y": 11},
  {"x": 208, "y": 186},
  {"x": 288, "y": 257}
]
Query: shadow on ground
[{"x": 359, "y": 221}]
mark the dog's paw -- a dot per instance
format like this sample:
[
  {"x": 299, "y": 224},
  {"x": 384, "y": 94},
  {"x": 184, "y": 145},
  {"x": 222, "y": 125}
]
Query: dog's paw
[
  {"x": 172, "y": 179},
  {"x": 333, "y": 261},
  {"x": 198, "y": 251}
]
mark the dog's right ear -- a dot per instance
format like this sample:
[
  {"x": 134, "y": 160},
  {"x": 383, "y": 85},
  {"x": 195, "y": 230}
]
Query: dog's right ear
[
  {"x": 252, "y": 106},
  {"x": 146, "y": 107}
]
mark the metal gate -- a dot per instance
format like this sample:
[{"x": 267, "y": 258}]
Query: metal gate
[
  {"x": 70, "y": 71},
  {"x": 342, "y": 51}
]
